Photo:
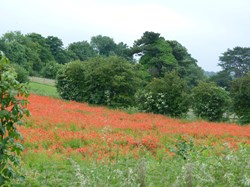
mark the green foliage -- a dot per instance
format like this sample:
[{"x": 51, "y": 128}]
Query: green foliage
[
  {"x": 167, "y": 95},
  {"x": 187, "y": 67},
  {"x": 183, "y": 148},
  {"x": 12, "y": 102},
  {"x": 42, "y": 48},
  {"x": 34, "y": 53},
  {"x": 111, "y": 81},
  {"x": 222, "y": 79},
  {"x": 81, "y": 51},
  {"x": 56, "y": 48},
  {"x": 210, "y": 101},
  {"x": 236, "y": 61},
  {"x": 70, "y": 81},
  {"x": 156, "y": 54},
  {"x": 29, "y": 51},
  {"x": 240, "y": 92},
  {"x": 108, "y": 81},
  {"x": 22, "y": 74},
  {"x": 103, "y": 45},
  {"x": 160, "y": 56},
  {"x": 50, "y": 70}
]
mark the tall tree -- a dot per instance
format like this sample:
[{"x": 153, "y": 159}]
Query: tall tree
[
  {"x": 187, "y": 65},
  {"x": 43, "y": 49},
  {"x": 240, "y": 92},
  {"x": 236, "y": 61},
  {"x": 81, "y": 51},
  {"x": 56, "y": 48},
  {"x": 13, "y": 47},
  {"x": 222, "y": 79},
  {"x": 156, "y": 54},
  {"x": 104, "y": 45},
  {"x": 124, "y": 51},
  {"x": 21, "y": 50}
]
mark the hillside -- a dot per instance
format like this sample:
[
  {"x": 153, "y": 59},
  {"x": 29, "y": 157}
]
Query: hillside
[{"x": 70, "y": 143}]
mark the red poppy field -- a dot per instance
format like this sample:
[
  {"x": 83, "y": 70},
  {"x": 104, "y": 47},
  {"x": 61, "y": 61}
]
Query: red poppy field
[{"x": 87, "y": 134}]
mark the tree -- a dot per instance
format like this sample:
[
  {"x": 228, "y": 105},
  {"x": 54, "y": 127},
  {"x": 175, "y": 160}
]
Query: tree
[
  {"x": 187, "y": 66},
  {"x": 43, "y": 49},
  {"x": 222, "y": 79},
  {"x": 50, "y": 69},
  {"x": 14, "y": 47},
  {"x": 70, "y": 81},
  {"x": 22, "y": 75},
  {"x": 24, "y": 51},
  {"x": 124, "y": 51},
  {"x": 12, "y": 111},
  {"x": 103, "y": 45},
  {"x": 240, "y": 91},
  {"x": 81, "y": 51},
  {"x": 236, "y": 62},
  {"x": 210, "y": 101},
  {"x": 56, "y": 47},
  {"x": 167, "y": 95},
  {"x": 156, "y": 54},
  {"x": 111, "y": 81}
]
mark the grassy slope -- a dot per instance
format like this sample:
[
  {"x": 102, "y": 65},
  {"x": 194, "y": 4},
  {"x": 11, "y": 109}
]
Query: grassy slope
[{"x": 43, "y": 89}]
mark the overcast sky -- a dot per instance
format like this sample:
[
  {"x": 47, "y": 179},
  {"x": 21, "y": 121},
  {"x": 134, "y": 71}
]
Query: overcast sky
[{"x": 207, "y": 28}]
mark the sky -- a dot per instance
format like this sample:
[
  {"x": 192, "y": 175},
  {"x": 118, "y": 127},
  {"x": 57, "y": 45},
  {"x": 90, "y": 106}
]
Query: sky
[{"x": 207, "y": 28}]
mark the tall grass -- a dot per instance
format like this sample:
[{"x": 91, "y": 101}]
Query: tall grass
[{"x": 230, "y": 169}]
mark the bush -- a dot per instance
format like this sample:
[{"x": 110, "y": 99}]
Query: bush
[
  {"x": 50, "y": 70},
  {"x": 22, "y": 74},
  {"x": 240, "y": 91},
  {"x": 70, "y": 81},
  {"x": 11, "y": 113},
  {"x": 210, "y": 102},
  {"x": 167, "y": 95},
  {"x": 110, "y": 81}
]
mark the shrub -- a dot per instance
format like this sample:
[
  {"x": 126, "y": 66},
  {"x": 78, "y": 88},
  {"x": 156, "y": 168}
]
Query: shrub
[
  {"x": 50, "y": 70},
  {"x": 11, "y": 113},
  {"x": 70, "y": 81},
  {"x": 167, "y": 95},
  {"x": 210, "y": 101},
  {"x": 110, "y": 81},
  {"x": 22, "y": 74},
  {"x": 240, "y": 91}
]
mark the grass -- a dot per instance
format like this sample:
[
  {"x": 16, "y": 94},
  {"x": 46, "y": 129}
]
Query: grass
[
  {"x": 230, "y": 169},
  {"x": 43, "y": 89},
  {"x": 42, "y": 80}
]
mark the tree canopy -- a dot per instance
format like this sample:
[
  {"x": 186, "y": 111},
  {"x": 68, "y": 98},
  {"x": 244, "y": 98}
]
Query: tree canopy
[
  {"x": 155, "y": 54},
  {"x": 236, "y": 61}
]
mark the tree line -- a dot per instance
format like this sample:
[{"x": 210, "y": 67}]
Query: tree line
[{"x": 164, "y": 79}]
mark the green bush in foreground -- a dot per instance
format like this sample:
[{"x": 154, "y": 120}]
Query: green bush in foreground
[{"x": 11, "y": 113}]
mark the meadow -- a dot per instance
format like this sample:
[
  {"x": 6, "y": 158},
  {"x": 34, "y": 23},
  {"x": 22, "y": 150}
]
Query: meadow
[{"x": 74, "y": 144}]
